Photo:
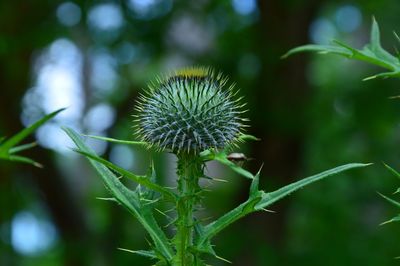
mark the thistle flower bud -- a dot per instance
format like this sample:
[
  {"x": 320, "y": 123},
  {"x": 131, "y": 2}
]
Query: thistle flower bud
[{"x": 189, "y": 111}]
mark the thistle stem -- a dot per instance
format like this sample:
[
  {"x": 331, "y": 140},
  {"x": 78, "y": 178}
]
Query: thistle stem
[{"x": 190, "y": 169}]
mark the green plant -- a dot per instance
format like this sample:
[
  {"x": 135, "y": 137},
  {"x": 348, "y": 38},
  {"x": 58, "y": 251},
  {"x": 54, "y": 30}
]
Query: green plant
[
  {"x": 196, "y": 116},
  {"x": 372, "y": 53},
  {"x": 394, "y": 202},
  {"x": 9, "y": 148}
]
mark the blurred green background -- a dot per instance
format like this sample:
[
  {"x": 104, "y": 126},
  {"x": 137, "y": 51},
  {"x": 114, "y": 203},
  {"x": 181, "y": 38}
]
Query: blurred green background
[{"x": 312, "y": 113}]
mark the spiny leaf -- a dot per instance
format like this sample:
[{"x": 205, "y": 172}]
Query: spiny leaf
[
  {"x": 129, "y": 199},
  {"x": 221, "y": 223},
  {"x": 372, "y": 53},
  {"x": 376, "y": 56},
  {"x": 143, "y": 180},
  {"x": 206, "y": 247},
  {"x": 260, "y": 200},
  {"x": 272, "y": 197}
]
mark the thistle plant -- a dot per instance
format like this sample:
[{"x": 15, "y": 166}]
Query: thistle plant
[
  {"x": 195, "y": 114},
  {"x": 189, "y": 112}
]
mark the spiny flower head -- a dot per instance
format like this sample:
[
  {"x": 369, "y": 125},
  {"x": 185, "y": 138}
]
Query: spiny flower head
[{"x": 189, "y": 111}]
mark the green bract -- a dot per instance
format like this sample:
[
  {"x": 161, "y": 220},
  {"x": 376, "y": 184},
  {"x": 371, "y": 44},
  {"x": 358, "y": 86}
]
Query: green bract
[{"x": 189, "y": 111}]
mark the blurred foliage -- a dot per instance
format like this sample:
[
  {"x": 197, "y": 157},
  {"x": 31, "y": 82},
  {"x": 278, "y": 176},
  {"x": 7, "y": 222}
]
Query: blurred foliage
[
  {"x": 311, "y": 113},
  {"x": 9, "y": 148},
  {"x": 394, "y": 202},
  {"x": 372, "y": 53}
]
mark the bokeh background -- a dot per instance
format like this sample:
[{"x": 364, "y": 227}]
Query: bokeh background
[{"x": 312, "y": 113}]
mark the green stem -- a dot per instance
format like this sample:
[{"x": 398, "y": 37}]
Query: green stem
[{"x": 190, "y": 169}]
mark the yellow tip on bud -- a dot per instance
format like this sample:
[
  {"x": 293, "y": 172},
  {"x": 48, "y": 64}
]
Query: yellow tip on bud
[{"x": 192, "y": 72}]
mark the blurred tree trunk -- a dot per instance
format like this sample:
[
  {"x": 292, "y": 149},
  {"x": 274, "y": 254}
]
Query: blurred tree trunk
[
  {"x": 279, "y": 117},
  {"x": 23, "y": 31}
]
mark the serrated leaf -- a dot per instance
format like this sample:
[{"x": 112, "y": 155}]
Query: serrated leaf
[
  {"x": 260, "y": 200},
  {"x": 272, "y": 197},
  {"x": 129, "y": 199},
  {"x": 376, "y": 57},
  {"x": 372, "y": 53},
  {"x": 206, "y": 247},
  {"x": 142, "y": 180},
  {"x": 230, "y": 217}
]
